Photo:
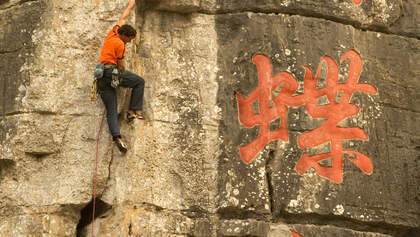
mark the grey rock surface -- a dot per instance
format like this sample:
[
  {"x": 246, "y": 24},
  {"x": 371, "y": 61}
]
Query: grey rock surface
[
  {"x": 184, "y": 174},
  {"x": 391, "y": 16},
  {"x": 271, "y": 178}
]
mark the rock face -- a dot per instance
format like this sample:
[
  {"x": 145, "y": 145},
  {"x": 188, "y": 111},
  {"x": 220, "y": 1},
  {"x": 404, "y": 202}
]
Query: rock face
[{"x": 263, "y": 118}]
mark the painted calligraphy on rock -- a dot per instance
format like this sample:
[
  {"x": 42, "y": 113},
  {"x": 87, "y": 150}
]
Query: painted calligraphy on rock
[
  {"x": 337, "y": 109},
  {"x": 263, "y": 94}
]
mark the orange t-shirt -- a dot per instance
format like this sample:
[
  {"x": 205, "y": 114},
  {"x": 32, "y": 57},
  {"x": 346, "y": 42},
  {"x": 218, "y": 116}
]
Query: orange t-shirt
[{"x": 113, "y": 48}]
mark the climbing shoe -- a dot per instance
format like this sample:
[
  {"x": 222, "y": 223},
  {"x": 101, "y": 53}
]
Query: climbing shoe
[
  {"x": 132, "y": 116},
  {"x": 120, "y": 144}
]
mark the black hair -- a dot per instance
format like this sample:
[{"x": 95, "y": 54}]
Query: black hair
[{"x": 127, "y": 30}]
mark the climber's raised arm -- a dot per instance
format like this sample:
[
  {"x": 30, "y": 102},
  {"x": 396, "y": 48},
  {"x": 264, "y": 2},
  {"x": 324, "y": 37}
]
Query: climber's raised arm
[{"x": 126, "y": 13}]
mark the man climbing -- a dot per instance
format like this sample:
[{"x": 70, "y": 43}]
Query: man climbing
[{"x": 115, "y": 75}]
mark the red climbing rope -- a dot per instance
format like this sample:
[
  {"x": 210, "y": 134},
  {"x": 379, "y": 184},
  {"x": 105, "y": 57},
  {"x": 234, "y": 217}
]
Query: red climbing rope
[{"x": 96, "y": 171}]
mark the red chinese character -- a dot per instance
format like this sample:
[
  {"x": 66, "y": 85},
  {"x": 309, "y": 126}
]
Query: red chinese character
[
  {"x": 263, "y": 93},
  {"x": 358, "y": 2},
  {"x": 294, "y": 234},
  {"x": 334, "y": 112}
]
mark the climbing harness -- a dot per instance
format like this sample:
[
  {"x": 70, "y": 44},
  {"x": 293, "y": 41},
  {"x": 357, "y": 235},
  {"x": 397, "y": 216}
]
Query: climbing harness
[
  {"x": 96, "y": 171},
  {"x": 116, "y": 77}
]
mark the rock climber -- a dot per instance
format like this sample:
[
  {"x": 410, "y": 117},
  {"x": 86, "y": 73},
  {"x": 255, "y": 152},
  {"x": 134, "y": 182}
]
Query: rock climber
[{"x": 115, "y": 75}]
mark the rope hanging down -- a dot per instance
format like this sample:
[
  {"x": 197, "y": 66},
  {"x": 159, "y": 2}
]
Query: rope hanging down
[{"x": 96, "y": 171}]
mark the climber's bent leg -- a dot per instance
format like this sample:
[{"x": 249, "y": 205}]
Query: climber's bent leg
[
  {"x": 135, "y": 82},
  {"x": 109, "y": 97}
]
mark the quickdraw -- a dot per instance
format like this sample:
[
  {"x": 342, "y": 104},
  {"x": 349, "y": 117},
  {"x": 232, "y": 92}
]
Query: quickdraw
[
  {"x": 94, "y": 90},
  {"x": 116, "y": 77}
]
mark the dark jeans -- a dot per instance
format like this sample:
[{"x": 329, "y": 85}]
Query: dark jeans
[{"x": 109, "y": 97}]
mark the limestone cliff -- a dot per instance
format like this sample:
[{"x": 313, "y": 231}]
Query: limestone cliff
[{"x": 263, "y": 118}]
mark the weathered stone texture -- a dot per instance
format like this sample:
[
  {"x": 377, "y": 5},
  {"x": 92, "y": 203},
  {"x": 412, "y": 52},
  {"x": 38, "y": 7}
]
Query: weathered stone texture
[
  {"x": 331, "y": 231},
  {"x": 399, "y": 17},
  {"x": 183, "y": 174},
  {"x": 48, "y": 126},
  {"x": 291, "y": 43},
  {"x": 40, "y": 224},
  {"x": 16, "y": 49}
]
